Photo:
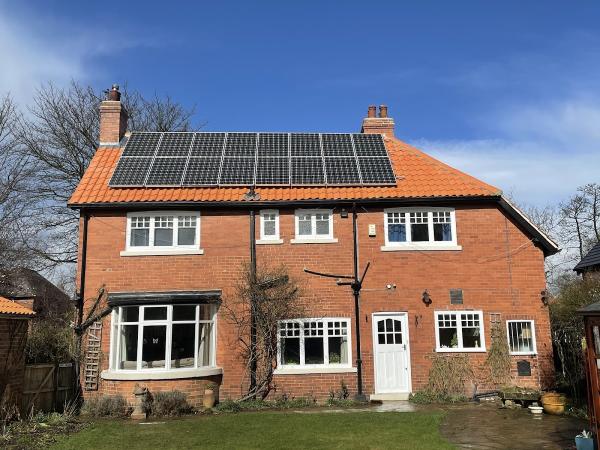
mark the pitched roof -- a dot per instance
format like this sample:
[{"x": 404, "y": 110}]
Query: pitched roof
[
  {"x": 418, "y": 176},
  {"x": 591, "y": 259},
  {"x": 27, "y": 283},
  {"x": 12, "y": 308}
]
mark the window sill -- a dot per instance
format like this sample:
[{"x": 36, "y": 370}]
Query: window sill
[
  {"x": 125, "y": 375},
  {"x": 460, "y": 350},
  {"x": 166, "y": 252},
  {"x": 269, "y": 241},
  {"x": 309, "y": 370},
  {"x": 421, "y": 247},
  {"x": 313, "y": 241},
  {"x": 524, "y": 354}
]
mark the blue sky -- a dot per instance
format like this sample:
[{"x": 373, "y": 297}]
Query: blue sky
[{"x": 507, "y": 91}]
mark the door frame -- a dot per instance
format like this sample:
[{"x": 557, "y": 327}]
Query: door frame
[{"x": 374, "y": 316}]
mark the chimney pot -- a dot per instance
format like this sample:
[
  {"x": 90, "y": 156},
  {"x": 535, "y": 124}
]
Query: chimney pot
[
  {"x": 372, "y": 111},
  {"x": 383, "y": 113},
  {"x": 114, "y": 94}
]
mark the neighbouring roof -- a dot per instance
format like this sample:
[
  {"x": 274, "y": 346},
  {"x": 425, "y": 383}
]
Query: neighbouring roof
[
  {"x": 418, "y": 176},
  {"x": 22, "y": 283},
  {"x": 9, "y": 307},
  {"x": 592, "y": 259}
]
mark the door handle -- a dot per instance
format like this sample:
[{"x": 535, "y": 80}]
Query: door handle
[{"x": 404, "y": 346}]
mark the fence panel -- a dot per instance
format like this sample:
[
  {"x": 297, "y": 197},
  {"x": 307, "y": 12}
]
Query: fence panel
[{"x": 47, "y": 387}]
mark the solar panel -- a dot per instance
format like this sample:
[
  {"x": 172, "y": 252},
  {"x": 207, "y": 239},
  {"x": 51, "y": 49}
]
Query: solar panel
[
  {"x": 273, "y": 144},
  {"x": 342, "y": 171},
  {"x": 337, "y": 145},
  {"x": 175, "y": 144},
  {"x": 376, "y": 171},
  {"x": 211, "y": 159},
  {"x": 240, "y": 144},
  {"x": 202, "y": 171},
  {"x": 166, "y": 171},
  {"x": 305, "y": 144},
  {"x": 130, "y": 172},
  {"x": 369, "y": 145},
  {"x": 273, "y": 171},
  {"x": 141, "y": 144},
  {"x": 239, "y": 170},
  {"x": 307, "y": 171},
  {"x": 208, "y": 144}
]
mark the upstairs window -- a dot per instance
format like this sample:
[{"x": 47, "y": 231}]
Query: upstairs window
[
  {"x": 314, "y": 225},
  {"x": 162, "y": 232},
  {"x": 521, "y": 337},
  {"x": 269, "y": 226},
  {"x": 407, "y": 228}
]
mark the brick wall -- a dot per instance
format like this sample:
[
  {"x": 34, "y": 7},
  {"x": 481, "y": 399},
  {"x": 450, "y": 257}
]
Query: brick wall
[
  {"x": 499, "y": 270},
  {"x": 13, "y": 336}
]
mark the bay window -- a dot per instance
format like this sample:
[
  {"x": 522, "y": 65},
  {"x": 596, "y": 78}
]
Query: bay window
[
  {"x": 314, "y": 343},
  {"x": 156, "y": 233},
  {"x": 420, "y": 229},
  {"x": 163, "y": 337},
  {"x": 459, "y": 331}
]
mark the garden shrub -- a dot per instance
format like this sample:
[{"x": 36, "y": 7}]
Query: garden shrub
[
  {"x": 168, "y": 404},
  {"x": 106, "y": 406},
  {"x": 49, "y": 342},
  {"x": 427, "y": 397}
]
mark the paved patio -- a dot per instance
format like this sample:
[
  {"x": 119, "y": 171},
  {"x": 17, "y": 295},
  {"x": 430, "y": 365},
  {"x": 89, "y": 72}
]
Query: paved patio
[{"x": 486, "y": 426}]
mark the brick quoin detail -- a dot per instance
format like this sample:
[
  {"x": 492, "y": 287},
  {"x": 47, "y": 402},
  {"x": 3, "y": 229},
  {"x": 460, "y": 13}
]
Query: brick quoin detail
[{"x": 499, "y": 269}]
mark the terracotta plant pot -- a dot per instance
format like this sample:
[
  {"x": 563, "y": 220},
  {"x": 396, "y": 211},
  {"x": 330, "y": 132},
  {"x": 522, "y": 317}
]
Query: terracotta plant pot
[
  {"x": 554, "y": 403},
  {"x": 208, "y": 401}
]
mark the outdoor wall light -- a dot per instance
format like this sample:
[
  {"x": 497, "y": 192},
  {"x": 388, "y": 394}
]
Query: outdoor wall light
[
  {"x": 426, "y": 298},
  {"x": 544, "y": 297},
  {"x": 344, "y": 213}
]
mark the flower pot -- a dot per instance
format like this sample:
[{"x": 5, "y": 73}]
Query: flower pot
[
  {"x": 584, "y": 443},
  {"x": 208, "y": 401},
  {"x": 554, "y": 403}
]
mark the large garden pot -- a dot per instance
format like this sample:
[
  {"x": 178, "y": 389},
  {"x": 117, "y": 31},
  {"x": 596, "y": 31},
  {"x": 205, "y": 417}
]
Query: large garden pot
[
  {"x": 554, "y": 403},
  {"x": 208, "y": 401}
]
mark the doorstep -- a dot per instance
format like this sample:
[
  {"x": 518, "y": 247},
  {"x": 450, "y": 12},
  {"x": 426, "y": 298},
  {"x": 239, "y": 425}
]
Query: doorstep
[{"x": 390, "y": 396}]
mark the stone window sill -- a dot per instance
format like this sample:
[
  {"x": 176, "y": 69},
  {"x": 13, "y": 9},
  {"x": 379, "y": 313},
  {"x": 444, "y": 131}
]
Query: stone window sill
[
  {"x": 309, "y": 370},
  {"x": 314, "y": 241},
  {"x": 157, "y": 252},
  {"x": 269, "y": 241},
  {"x": 124, "y": 375},
  {"x": 412, "y": 247}
]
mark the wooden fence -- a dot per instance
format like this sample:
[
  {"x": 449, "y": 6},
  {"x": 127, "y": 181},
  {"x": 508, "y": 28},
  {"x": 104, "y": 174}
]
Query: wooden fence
[{"x": 47, "y": 387}]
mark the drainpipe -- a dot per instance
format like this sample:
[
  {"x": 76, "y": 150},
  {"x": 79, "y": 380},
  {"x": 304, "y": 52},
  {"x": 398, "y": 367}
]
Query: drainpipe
[
  {"x": 81, "y": 294},
  {"x": 356, "y": 287},
  {"x": 253, "y": 364}
]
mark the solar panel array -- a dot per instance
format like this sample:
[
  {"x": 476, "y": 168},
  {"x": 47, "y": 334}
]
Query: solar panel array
[{"x": 263, "y": 159}]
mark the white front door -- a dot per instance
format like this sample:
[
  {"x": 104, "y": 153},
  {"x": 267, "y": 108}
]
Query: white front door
[{"x": 390, "y": 347}]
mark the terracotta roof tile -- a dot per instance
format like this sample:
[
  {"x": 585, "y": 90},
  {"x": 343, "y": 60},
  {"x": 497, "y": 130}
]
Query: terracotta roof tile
[
  {"x": 418, "y": 176},
  {"x": 14, "y": 309}
]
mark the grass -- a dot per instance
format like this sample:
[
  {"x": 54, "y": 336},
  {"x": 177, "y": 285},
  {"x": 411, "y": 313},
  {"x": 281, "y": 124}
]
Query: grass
[{"x": 267, "y": 430}]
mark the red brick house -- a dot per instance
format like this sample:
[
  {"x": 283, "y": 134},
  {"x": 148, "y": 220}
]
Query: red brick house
[{"x": 449, "y": 256}]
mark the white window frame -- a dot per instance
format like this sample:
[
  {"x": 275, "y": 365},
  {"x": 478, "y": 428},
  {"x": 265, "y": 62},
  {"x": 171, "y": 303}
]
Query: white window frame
[
  {"x": 114, "y": 372},
  {"x": 459, "y": 349},
  {"x": 533, "y": 341},
  {"x": 420, "y": 245},
  {"x": 264, "y": 239},
  {"x": 313, "y": 237},
  {"x": 326, "y": 367},
  {"x": 151, "y": 249}
]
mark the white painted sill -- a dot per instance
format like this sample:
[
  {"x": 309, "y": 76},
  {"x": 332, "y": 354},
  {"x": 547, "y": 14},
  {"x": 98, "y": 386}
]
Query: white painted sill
[
  {"x": 314, "y": 241},
  {"x": 309, "y": 370},
  {"x": 460, "y": 350},
  {"x": 524, "y": 354},
  {"x": 269, "y": 241},
  {"x": 420, "y": 247},
  {"x": 125, "y": 375},
  {"x": 165, "y": 252}
]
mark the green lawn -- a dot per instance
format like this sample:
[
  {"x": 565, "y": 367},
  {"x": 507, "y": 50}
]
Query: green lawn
[{"x": 267, "y": 430}]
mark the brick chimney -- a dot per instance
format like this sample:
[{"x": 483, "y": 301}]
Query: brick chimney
[
  {"x": 381, "y": 124},
  {"x": 113, "y": 118}
]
